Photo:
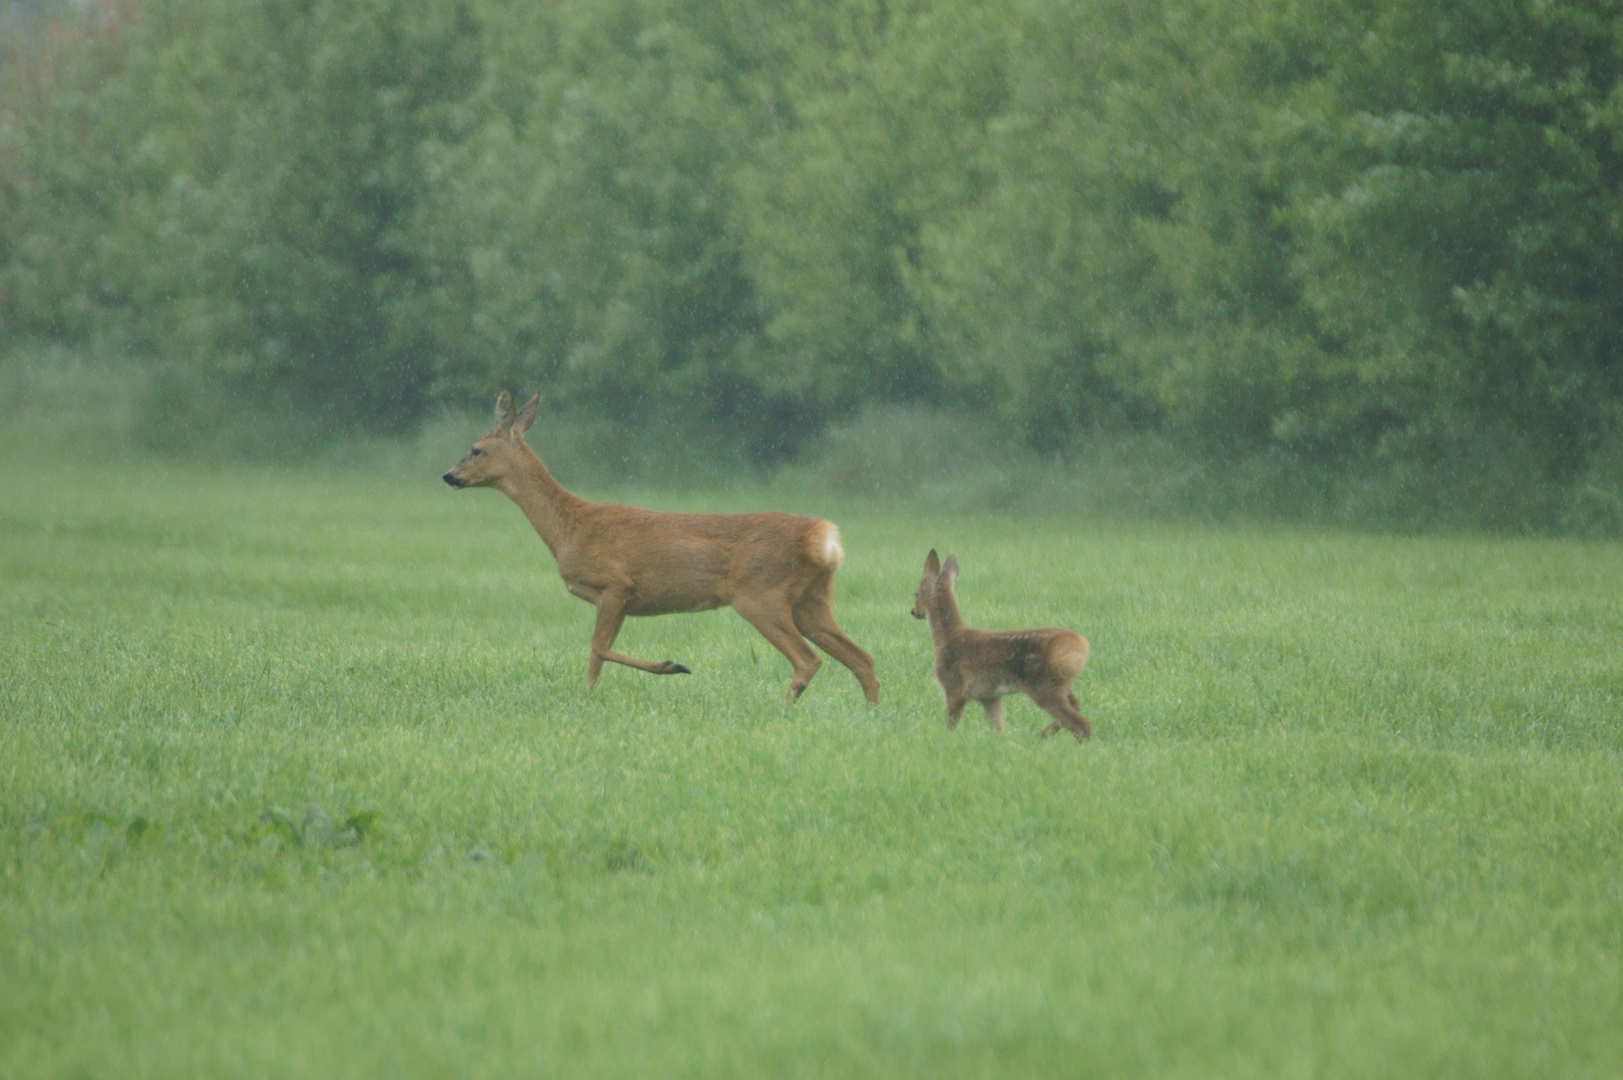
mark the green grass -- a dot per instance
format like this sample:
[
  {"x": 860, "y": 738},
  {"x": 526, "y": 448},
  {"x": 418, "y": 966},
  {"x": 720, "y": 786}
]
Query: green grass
[{"x": 1354, "y": 806}]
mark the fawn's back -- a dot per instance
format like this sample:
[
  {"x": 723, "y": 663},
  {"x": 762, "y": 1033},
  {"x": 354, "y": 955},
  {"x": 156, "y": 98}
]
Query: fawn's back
[{"x": 996, "y": 663}]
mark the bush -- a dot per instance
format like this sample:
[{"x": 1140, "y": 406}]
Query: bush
[{"x": 1353, "y": 262}]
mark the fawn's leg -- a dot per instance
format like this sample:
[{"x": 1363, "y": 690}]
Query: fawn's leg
[
  {"x": 994, "y": 712},
  {"x": 1076, "y": 711},
  {"x": 1060, "y": 703}
]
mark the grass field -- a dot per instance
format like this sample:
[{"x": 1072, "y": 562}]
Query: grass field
[{"x": 299, "y": 777}]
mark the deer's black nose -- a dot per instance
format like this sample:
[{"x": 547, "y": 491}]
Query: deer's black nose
[{"x": 452, "y": 480}]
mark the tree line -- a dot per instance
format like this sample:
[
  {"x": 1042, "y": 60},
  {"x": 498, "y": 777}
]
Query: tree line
[{"x": 1359, "y": 230}]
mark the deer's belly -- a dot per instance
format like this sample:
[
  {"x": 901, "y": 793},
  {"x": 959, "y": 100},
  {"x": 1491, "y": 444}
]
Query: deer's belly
[
  {"x": 670, "y": 602},
  {"x": 650, "y": 603}
]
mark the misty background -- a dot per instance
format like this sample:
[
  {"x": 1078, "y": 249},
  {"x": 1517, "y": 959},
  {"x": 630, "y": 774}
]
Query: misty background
[{"x": 1348, "y": 262}]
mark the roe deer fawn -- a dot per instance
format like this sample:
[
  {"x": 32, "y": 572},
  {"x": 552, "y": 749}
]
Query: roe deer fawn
[
  {"x": 776, "y": 570},
  {"x": 988, "y": 665}
]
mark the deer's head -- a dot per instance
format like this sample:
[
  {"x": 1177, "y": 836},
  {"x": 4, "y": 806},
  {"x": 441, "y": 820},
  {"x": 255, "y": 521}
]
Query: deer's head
[
  {"x": 496, "y": 452},
  {"x": 937, "y": 579}
]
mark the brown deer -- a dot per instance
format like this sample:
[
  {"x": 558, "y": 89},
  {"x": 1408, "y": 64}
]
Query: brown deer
[
  {"x": 988, "y": 665},
  {"x": 776, "y": 570}
]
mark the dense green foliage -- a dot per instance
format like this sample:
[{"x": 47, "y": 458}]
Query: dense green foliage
[
  {"x": 1378, "y": 238},
  {"x": 1351, "y": 809}
]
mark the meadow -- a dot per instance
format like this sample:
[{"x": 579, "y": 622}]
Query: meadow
[{"x": 299, "y": 777}]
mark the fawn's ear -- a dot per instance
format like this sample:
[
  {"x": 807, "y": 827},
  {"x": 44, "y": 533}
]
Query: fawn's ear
[
  {"x": 950, "y": 571},
  {"x": 504, "y": 410},
  {"x": 526, "y": 416},
  {"x": 932, "y": 564}
]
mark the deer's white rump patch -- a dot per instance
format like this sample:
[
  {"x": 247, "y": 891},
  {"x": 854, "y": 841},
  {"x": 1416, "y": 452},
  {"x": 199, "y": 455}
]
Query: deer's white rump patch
[{"x": 823, "y": 544}]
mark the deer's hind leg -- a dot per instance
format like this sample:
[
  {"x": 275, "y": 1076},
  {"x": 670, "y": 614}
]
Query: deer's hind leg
[
  {"x": 771, "y": 616},
  {"x": 813, "y": 615}
]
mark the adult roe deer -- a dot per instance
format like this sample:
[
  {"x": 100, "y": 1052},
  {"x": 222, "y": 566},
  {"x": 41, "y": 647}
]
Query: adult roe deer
[
  {"x": 988, "y": 665},
  {"x": 774, "y": 569}
]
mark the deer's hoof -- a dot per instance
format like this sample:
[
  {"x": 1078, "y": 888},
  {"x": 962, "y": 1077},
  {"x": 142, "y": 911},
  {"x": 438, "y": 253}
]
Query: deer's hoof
[{"x": 673, "y": 668}]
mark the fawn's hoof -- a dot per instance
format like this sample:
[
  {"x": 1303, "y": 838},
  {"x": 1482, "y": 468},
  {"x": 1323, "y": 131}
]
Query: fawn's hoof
[{"x": 673, "y": 668}]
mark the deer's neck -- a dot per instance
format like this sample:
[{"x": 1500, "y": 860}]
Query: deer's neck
[
  {"x": 549, "y": 507},
  {"x": 943, "y": 617}
]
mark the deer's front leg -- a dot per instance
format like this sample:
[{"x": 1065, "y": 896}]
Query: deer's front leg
[{"x": 611, "y": 615}]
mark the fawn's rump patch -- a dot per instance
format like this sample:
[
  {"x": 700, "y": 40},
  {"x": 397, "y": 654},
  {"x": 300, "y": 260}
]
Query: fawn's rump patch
[
  {"x": 1070, "y": 655},
  {"x": 823, "y": 544}
]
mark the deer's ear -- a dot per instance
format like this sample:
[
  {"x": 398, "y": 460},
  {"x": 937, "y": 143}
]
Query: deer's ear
[
  {"x": 526, "y": 416},
  {"x": 950, "y": 570},
  {"x": 932, "y": 563},
  {"x": 504, "y": 410}
]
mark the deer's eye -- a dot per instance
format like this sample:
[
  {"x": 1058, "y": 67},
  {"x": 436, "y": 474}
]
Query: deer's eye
[{"x": 475, "y": 452}]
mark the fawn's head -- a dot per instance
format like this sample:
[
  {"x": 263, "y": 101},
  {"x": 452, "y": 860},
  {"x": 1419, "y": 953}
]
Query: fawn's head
[
  {"x": 493, "y": 456},
  {"x": 937, "y": 579}
]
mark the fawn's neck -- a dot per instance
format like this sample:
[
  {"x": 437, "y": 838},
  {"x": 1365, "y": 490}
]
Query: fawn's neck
[
  {"x": 549, "y": 507},
  {"x": 943, "y": 617}
]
